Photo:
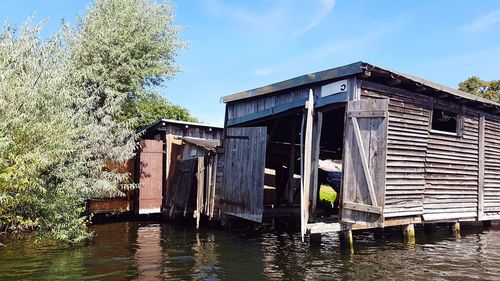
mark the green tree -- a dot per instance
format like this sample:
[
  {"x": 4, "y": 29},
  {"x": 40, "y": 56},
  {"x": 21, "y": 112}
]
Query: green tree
[
  {"x": 36, "y": 136},
  {"x": 118, "y": 49},
  {"x": 149, "y": 107},
  {"x": 486, "y": 89},
  {"x": 62, "y": 103}
]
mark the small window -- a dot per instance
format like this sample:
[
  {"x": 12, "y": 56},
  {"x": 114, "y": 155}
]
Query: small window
[{"x": 444, "y": 121}]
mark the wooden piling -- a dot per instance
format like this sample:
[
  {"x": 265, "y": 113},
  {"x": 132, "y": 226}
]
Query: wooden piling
[
  {"x": 409, "y": 231},
  {"x": 346, "y": 240},
  {"x": 455, "y": 229}
]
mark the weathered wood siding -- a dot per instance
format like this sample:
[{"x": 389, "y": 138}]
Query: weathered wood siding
[
  {"x": 431, "y": 174},
  {"x": 406, "y": 150},
  {"x": 491, "y": 168},
  {"x": 243, "y": 188},
  {"x": 248, "y": 107},
  {"x": 451, "y": 173},
  {"x": 185, "y": 182}
]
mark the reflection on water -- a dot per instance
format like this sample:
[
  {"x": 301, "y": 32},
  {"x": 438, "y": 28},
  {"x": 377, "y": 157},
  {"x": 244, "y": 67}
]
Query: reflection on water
[{"x": 140, "y": 251}]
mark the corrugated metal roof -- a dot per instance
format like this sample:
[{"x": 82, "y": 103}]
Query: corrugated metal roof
[
  {"x": 346, "y": 71},
  {"x": 206, "y": 144},
  {"x": 171, "y": 121}
]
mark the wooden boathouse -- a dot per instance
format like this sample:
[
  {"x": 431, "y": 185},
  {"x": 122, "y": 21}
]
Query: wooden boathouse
[
  {"x": 175, "y": 168},
  {"x": 410, "y": 150}
]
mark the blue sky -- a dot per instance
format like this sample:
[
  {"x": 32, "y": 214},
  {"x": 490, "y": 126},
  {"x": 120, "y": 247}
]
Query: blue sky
[{"x": 240, "y": 45}]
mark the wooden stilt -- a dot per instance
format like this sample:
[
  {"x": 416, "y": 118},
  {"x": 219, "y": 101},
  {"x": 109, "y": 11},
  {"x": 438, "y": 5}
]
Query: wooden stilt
[
  {"x": 455, "y": 229},
  {"x": 346, "y": 240},
  {"x": 409, "y": 231}
]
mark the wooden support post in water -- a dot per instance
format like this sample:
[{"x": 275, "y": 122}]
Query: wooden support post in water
[
  {"x": 455, "y": 229},
  {"x": 409, "y": 231},
  {"x": 346, "y": 240}
]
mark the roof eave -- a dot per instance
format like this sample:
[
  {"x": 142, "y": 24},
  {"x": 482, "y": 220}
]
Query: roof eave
[{"x": 330, "y": 74}]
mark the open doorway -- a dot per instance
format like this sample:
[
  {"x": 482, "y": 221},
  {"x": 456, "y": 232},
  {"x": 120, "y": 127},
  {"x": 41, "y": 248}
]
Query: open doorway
[
  {"x": 326, "y": 200},
  {"x": 282, "y": 178},
  {"x": 282, "y": 173}
]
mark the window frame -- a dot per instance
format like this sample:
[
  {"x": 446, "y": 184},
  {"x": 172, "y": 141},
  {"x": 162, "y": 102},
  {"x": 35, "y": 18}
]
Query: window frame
[{"x": 460, "y": 123}]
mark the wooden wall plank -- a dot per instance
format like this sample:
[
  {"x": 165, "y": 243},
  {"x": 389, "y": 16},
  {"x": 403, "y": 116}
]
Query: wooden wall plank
[
  {"x": 243, "y": 178},
  {"x": 151, "y": 177},
  {"x": 365, "y": 150}
]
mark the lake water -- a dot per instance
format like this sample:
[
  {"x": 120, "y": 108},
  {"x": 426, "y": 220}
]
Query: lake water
[{"x": 148, "y": 251}]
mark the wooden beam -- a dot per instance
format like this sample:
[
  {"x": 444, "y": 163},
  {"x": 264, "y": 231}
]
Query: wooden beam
[
  {"x": 332, "y": 99},
  {"x": 200, "y": 189},
  {"x": 363, "y": 207},
  {"x": 307, "y": 164},
  {"x": 364, "y": 161},
  {"x": 316, "y": 150},
  {"x": 480, "y": 192},
  {"x": 367, "y": 114},
  {"x": 266, "y": 113},
  {"x": 291, "y": 162},
  {"x": 321, "y": 227}
]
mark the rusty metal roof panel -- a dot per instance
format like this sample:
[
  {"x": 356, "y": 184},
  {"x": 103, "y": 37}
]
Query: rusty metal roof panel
[{"x": 206, "y": 144}]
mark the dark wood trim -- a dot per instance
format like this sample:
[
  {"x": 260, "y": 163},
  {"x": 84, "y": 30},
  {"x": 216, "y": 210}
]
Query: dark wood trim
[
  {"x": 266, "y": 113},
  {"x": 480, "y": 192}
]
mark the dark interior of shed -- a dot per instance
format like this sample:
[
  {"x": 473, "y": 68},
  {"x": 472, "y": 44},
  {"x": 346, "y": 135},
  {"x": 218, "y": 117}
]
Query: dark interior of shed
[
  {"x": 330, "y": 161},
  {"x": 282, "y": 178},
  {"x": 282, "y": 175}
]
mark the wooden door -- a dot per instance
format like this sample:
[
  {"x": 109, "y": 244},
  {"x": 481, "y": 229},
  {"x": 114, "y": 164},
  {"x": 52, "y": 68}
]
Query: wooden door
[
  {"x": 151, "y": 177},
  {"x": 243, "y": 185},
  {"x": 365, "y": 153}
]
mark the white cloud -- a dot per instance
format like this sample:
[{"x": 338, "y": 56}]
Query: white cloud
[
  {"x": 281, "y": 18},
  {"x": 263, "y": 71},
  {"x": 324, "y": 9},
  {"x": 348, "y": 45},
  {"x": 483, "y": 22}
]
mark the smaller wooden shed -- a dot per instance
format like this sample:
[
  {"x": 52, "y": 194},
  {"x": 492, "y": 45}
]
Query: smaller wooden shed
[
  {"x": 165, "y": 146},
  {"x": 410, "y": 150},
  {"x": 162, "y": 163}
]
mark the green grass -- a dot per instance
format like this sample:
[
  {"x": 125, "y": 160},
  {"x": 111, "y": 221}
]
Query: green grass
[{"x": 327, "y": 194}]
